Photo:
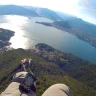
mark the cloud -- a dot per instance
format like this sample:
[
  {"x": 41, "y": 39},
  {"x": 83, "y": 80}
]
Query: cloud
[
  {"x": 90, "y": 4},
  {"x": 87, "y": 10}
]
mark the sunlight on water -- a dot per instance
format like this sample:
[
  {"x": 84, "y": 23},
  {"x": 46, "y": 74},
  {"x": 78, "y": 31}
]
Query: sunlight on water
[
  {"x": 16, "y": 20},
  {"x": 28, "y": 34},
  {"x": 16, "y": 24}
]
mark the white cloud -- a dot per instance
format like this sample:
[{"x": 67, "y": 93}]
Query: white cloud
[{"x": 87, "y": 10}]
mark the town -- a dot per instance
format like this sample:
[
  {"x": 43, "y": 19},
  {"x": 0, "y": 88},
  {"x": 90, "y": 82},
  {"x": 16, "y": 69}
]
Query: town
[{"x": 48, "y": 53}]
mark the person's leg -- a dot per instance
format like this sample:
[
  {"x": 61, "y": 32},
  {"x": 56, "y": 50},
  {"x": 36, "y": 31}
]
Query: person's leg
[
  {"x": 18, "y": 86},
  {"x": 13, "y": 88},
  {"x": 57, "y": 90}
]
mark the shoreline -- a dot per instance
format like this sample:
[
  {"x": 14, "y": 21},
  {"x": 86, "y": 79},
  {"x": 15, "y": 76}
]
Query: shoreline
[
  {"x": 73, "y": 32},
  {"x": 5, "y": 36}
]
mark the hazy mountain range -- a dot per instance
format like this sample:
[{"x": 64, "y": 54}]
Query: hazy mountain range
[
  {"x": 16, "y": 10},
  {"x": 32, "y": 11},
  {"x": 45, "y": 12}
]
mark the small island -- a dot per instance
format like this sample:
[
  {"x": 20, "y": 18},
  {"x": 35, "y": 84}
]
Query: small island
[{"x": 5, "y": 36}]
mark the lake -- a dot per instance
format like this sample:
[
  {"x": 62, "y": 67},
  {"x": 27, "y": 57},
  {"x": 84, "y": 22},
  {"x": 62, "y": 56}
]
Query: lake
[{"x": 28, "y": 34}]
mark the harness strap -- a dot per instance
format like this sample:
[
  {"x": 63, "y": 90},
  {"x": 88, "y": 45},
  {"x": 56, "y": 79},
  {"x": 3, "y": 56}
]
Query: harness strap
[{"x": 20, "y": 80}]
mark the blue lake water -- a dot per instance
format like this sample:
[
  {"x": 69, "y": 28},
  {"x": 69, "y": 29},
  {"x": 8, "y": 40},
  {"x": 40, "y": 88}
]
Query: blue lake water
[{"x": 28, "y": 34}]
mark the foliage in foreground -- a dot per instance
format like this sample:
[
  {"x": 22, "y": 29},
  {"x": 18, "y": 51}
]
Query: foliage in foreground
[{"x": 49, "y": 75}]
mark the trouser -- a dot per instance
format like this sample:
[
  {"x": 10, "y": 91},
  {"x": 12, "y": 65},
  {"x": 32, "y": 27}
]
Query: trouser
[
  {"x": 54, "y": 90},
  {"x": 57, "y": 90},
  {"x": 13, "y": 88}
]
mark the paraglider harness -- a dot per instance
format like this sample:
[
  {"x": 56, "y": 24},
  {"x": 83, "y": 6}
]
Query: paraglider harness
[{"x": 28, "y": 83}]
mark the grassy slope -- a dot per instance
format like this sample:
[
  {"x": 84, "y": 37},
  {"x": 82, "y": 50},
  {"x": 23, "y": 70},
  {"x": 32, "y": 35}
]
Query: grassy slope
[
  {"x": 75, "y": 67},
  {"x": 50, "y": 73}
]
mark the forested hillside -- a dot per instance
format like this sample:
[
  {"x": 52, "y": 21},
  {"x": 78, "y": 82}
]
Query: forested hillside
[
  {"x": 73, "y": 66},
  {"x": 47, "y": 72},
  {"x": 5, "y": 36}
]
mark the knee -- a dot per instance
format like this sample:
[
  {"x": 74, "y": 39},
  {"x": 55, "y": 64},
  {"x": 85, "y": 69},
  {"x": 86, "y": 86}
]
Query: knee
[
  {"x": 62, "y": 87},
  {"x": 57, "y": 90}
]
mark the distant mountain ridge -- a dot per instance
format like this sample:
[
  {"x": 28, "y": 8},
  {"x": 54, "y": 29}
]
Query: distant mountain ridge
[
  {"x": 28, "y": 11},
  {"x": 45, "y": 12},
  {"x": 16, "y": 10},
  {"x": 65, "y": 16}
]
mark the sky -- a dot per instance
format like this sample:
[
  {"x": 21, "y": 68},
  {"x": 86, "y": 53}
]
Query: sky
[{"x": 85, "y": 9}]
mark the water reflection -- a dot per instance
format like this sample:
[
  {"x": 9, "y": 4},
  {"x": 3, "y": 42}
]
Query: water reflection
[
  {"x": 28, "y": 33},
  {"x": 16, "y": 23}
]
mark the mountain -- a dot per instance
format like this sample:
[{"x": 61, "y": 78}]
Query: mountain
[
  {"x": 52, "y": 71},
  {"x": 63, "y": 24},
  {"x": 83, "y": 30},
  {"x": 16, "y": 10},
  {"x": 78, "y": 23},
  {"x": 64, "y": 15},
  {"x": 82, "y": 25},
  {"x": 45, "y": 13}
]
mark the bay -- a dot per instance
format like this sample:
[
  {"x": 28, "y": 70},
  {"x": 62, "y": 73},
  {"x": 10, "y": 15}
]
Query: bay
[{"x": 28, "y": 34}]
